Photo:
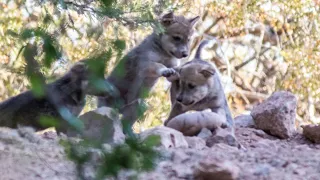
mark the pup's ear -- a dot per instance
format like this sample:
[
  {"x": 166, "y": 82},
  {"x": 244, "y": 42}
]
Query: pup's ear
[
  {"x": 207, "y": 71},
  {"x": 79, "y": 68},
  {"x": 194, "y": 20},
  {"x": 167, "y": 19}
]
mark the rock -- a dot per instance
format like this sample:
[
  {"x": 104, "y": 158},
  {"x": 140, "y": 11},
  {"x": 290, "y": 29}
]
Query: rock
[
  {"x": 312, "y": 132},
  {"x": 29, "y": 134},
  {"x": 264, "y": 143},
  {"x": 215, "y": 169},
  {"x": 195, "y": 142},
  {"x": 222, "y": 136},
  {"x": 48, "y": 134},
  {"x": 10, "y": 136},
  {"x": 180, "y": 157},
  {"x": 101, "y": 124},
  {"x": 151, "y": 176},
  {"x": 276, "y": 115},
  {"x": 169, "y": 137},
  {"x": 244, "y": 121},
  {"x": 204, "y": 133}
]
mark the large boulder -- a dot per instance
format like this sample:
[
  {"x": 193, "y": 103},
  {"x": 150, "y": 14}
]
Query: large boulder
[
  {"x": 312, "y": 132},
  {"x": 101, "y": 124},
  {"x": 276, "y": 115},
  {"x": 170, "y": 138}
]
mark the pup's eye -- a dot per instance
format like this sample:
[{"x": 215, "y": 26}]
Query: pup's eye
[
  {"x": 176, "y": 38},
  {"x": 191, "y": 86}
]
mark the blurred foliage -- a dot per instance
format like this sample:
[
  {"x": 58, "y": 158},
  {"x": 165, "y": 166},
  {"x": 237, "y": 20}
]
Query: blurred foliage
[
  {"x": 41, "y": 39},
  {"x": 134, "y": 154}
]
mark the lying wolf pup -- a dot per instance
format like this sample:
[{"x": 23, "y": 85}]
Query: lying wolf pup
[
  {"x": 198, "y": 87},
  {"x": 69, "y": 91},
  {"x": 140, "y": 69}
]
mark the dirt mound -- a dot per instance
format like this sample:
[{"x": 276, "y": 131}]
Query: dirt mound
[{"x": 25, "y": 155}]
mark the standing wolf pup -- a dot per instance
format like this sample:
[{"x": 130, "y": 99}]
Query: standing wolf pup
[
  {"x": 140, "y": 69},
  {"x": 198, "y": 87}
]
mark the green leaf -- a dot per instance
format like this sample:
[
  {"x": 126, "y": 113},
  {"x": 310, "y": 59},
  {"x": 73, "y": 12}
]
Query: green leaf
[
  {"x": 63, "y": 4},
  {"x": 12, "y": 33},
  {"x": 107, "y": 3},
  {"x": 51, "y": 53},
  {"x": 27, "y": 33},
  {"x": 37, "y": 85},
  {"x": 119, "y": 45},
  {"x": 49, "y": 121},
  {"x": 152, "y": 140},
  {"x": 47, "y": 19},
  {"x": 20, "y": 51},
  {"x": 96, "y": 68},
  {"x": 120, "y": 67},
  {"x": 32, "y": 70},
  {"x": 71, "y": 119},
  {"x": 142, "y": 108}
]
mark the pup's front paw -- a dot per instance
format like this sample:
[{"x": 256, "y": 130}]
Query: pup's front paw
[{"x": 168, "y": 72}]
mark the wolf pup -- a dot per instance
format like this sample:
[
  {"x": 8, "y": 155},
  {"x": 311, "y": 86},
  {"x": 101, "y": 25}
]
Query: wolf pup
[
  {"x": 139, "y": 70},
  {"x": 198, "y": 87},
  {"x": 69, "y": 91}
]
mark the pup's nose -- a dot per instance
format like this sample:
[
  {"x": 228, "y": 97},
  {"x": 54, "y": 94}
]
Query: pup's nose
[
  {"x": 184, "y": 54},
  {"x": 179, "y": 98}
]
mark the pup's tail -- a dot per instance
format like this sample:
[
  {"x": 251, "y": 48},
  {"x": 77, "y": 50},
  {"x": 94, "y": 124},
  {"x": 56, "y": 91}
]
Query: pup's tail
[{"x": 202, "y": 45}]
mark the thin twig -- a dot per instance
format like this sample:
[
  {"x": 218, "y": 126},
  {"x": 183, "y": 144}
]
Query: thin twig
[
  {"x": 250, "y": 59},
  {"x": 252, "y": 95}
]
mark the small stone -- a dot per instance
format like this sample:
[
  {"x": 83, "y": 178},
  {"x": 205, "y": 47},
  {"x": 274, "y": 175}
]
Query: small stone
[
  {"x": 244, "y": 121},
  {"x": 101, "y": 124},
  {"x": 215, "y": 169},
  {"x": 204, "y": 133},
  {"x": 196, "y": 142},
  {"x": 312, "y": 132},
  {"x": 170, "y": 138},
  {"x": 277, "y": 114},
  {"x": 222, "y": 136}
]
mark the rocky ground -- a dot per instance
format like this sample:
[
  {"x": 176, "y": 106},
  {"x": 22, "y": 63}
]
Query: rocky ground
[{"x": 263, "y": 155}]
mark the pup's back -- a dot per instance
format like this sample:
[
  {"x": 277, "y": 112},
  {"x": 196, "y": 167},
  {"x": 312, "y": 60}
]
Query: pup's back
[{"x": 26, "y": 109}]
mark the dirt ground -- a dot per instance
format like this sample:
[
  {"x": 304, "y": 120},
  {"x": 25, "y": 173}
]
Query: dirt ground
[{"x": 24, "y": 155}]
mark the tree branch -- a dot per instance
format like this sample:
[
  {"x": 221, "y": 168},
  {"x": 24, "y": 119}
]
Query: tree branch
[{"x": 251, "y": 59}]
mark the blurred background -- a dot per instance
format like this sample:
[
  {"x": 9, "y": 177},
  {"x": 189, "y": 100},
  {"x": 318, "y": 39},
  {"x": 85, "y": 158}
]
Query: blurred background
[{"x": 261, "y": 46}]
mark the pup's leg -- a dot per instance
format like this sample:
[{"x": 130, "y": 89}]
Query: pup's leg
[
  {"x": 175, "y": 111},
  {"x": 130, "y": 113},
  {"x": 224, "y": 112},
  {"x": 153, "y": 69}
]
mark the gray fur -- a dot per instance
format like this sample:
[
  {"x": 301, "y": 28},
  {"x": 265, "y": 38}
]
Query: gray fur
[
  {"x": 198, "y": 88},
  {"x": 139, "y": 70},
  {"x": 69, "y": 91}
]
